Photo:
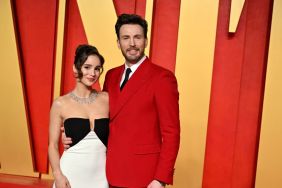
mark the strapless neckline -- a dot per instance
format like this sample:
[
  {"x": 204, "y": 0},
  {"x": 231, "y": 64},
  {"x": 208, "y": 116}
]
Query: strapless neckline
[
  {"x": 86, "y": 119},
  {"x": 78, "y": 127}
]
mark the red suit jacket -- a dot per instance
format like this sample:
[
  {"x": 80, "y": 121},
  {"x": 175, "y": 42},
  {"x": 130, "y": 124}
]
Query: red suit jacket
[{"x": 144, "y": 126}]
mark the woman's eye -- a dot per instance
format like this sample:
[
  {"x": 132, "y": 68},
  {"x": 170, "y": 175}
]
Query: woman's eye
[{"x": 99, "y": 69}]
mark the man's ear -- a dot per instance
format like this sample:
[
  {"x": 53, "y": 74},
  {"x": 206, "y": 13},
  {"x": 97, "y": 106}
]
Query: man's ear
[
  {"x": 146, "y": 42},
  {"x": 118, "y": 44}
]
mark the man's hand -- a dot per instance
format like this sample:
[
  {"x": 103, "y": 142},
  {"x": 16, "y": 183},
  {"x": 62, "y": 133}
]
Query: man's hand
[
  {"x": 66, "y": 141},
  {"x": 155, "y": 184}
]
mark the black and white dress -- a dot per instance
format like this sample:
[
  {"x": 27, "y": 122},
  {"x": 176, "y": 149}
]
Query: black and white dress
[{"x": 85, "y": 161}]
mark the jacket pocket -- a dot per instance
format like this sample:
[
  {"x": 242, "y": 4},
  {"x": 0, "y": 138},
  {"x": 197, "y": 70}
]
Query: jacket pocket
[{"x": 147, "y": 149}]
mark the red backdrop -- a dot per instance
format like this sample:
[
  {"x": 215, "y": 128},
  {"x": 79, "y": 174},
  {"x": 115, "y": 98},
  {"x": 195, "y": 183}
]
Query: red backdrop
[{"x": 237, "y": 82}]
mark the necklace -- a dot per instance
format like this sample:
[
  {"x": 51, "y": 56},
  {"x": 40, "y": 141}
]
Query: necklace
[{"x": 82, "y": 100}]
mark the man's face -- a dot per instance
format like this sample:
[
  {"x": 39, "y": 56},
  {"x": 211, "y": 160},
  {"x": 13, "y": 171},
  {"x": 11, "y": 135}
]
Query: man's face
[{"x": 132, "y": 42}]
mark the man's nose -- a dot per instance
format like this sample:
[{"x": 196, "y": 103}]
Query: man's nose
[{"x": 132, "y": 42}]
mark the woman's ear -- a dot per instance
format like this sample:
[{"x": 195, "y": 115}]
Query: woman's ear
[{"x": 75, "y": 72}]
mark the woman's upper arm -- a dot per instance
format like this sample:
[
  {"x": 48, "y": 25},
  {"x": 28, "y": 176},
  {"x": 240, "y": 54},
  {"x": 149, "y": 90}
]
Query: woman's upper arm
[{"x": 55, "y": 122}]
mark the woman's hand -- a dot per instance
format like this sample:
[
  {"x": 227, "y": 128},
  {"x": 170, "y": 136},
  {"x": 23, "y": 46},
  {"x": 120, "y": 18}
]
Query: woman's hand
[{"x": 61, "y": 181}]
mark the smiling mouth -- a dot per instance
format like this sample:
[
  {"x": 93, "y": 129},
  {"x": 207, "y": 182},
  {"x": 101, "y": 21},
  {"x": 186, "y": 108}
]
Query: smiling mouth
[
  {"x": 132, "y": 51},
  {"x": 91, "y": 79}
]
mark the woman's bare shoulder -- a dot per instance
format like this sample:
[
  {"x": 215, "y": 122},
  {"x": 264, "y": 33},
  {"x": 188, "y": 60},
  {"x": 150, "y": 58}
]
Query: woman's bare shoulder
[
  {"x": 60, "y": 101},
  {"x": 104, "y": 94},
  {"x": 103, "y": 97}
]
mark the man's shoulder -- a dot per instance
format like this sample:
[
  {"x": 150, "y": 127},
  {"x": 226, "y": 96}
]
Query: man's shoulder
[
  {"x": 159, "y": 69},
  {"x": 115, "y": 69}
]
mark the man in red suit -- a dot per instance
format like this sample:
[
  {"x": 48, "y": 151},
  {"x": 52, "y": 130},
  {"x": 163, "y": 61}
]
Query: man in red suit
[{"x": 144, "y": 114}]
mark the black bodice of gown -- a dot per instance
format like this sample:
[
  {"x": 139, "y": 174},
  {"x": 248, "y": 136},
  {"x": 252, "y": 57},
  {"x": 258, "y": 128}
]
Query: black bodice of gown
[{"x": 78, "y": 128}]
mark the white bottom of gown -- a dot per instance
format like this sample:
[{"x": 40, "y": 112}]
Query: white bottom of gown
[{"x": 84, "y": 163}]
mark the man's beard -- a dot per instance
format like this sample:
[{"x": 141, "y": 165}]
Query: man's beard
[{"x": 132, "y": 59}]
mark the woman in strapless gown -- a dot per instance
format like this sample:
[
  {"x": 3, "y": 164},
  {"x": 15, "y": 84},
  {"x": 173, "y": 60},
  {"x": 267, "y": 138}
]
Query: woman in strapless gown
[{"x": 84, "y": 115}]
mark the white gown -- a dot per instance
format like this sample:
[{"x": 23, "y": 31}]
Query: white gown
[{"x": 84, "y": 162}]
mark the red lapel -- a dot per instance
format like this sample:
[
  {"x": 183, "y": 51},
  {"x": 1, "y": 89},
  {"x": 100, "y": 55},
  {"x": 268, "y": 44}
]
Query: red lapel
[
  {"x": 114, "y": 88},
  {"x": 142, "y": 74}
]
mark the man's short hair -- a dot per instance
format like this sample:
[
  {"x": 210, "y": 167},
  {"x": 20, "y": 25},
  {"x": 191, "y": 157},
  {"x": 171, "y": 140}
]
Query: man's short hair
[{"x": 131, "y": 19}]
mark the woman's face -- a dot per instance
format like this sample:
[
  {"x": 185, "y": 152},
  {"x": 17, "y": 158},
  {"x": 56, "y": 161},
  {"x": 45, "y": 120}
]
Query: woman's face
[{"x": 91, "y": 70}]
